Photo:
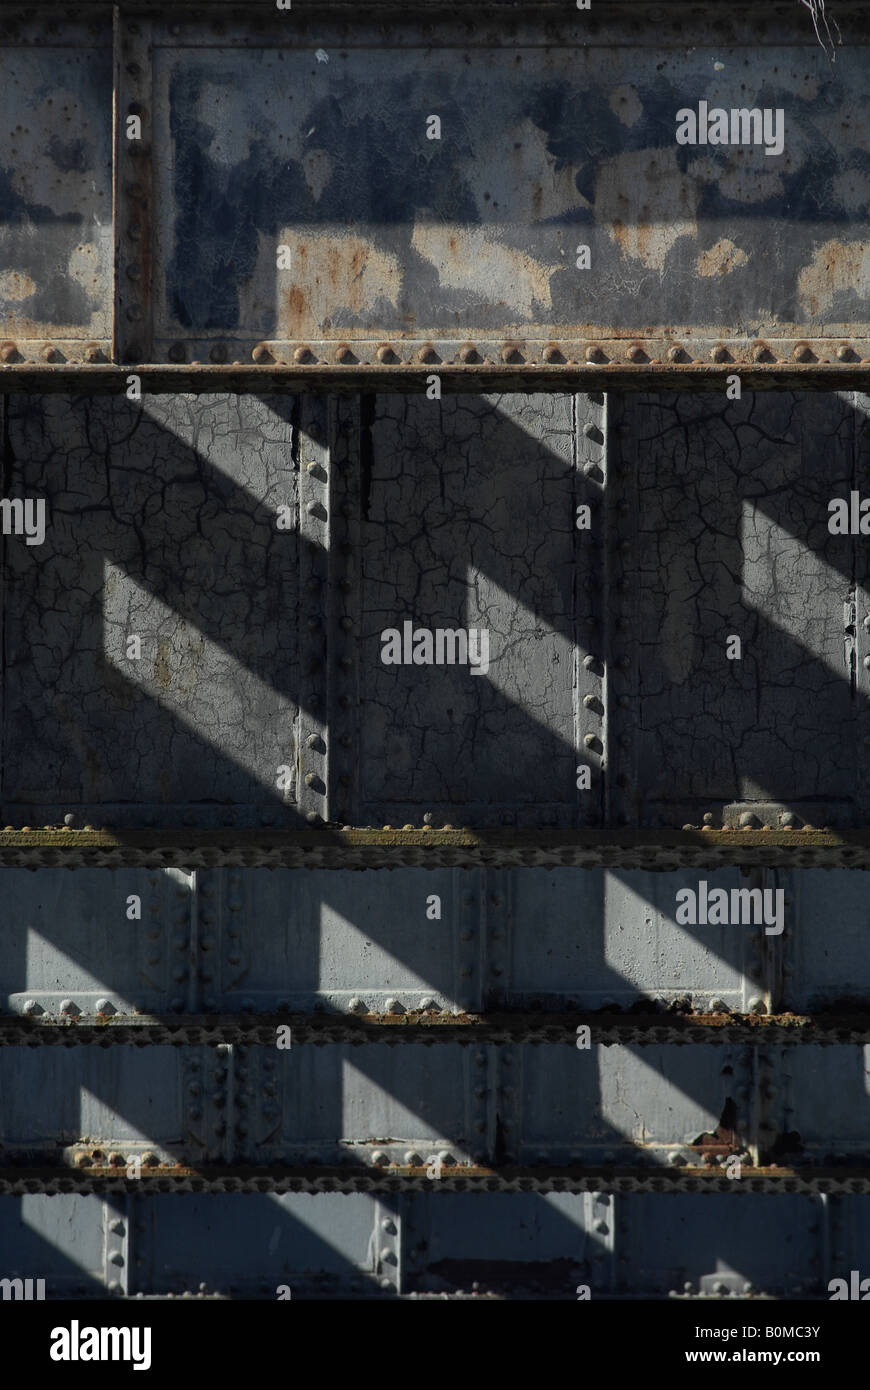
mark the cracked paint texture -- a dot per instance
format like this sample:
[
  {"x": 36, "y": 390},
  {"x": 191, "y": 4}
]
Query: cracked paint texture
[
  {"x": 161, "y": 523},
  {"x": 731, "y": 507},
  {"x": 467, "y": 519}
]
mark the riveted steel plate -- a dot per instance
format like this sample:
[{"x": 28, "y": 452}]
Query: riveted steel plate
[
  {"x": 739, "y": 638},
  {"x": 314, "y": 1107},
  {"x": 481, "y": 1245},
  {"x": 547, "y": 141},
  {"x": 406, "y": 242},
  {"x": 168, "y": 956}
]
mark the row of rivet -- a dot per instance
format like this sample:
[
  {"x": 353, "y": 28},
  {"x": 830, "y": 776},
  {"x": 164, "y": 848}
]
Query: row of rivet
[
  {"x": 621, "y": 545},
  {"x": 591, "y": 453},
  {"x": 310, "y": 419},
  {"x": 468, "y": 355},
  {"x": 387, "y": 354},
  {"x": 133, "y": 79},
  {"x": 344, "y": 600}
]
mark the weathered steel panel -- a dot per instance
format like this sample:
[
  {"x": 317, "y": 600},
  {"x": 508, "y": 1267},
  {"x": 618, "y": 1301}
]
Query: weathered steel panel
[
  {"x": 449, "y": 541},
  {"x": 278, "y": 139},
  {"x": 161, "y": 524},
  {"x": 409, "y": 244},
  {"x": 712, "y": 1245},
  {"x": 56, "y": 237},
  {"x": 727, "y": 535},
  {"x": 247, "y": 943}
]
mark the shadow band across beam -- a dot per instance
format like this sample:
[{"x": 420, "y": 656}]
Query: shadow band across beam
[
  {"x": 464, "y": 1178},
  {"x": 606, "y": 1029},
  {"x": 328, "y": 847}
]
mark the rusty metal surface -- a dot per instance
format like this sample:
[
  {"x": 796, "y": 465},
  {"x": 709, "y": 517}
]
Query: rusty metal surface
[
  {"x": 263, "y": 130},
  {"x": 470, "y": 1029},
  {"x": 432, "y": 848},
  {"x": 780, "y": 1181},
  {"x": 71, "y": 376}
]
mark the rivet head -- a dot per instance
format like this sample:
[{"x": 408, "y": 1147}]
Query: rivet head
[
  {"x": 761, "y": 352},
  {"x": 675, "y": 353},
  {"x": 719, "y": 353},
  {"x": 468, "y": 353},
  {"x": 594, "y": 353},
  {"x": 802, "y": 352},
  {"x": 343, "y": 353},
  {"x": 385, "y": 353},
  {"x": 8, "y": 351},
  {"x": 748, "y": 821},
  {"x": 553, "y": 353},
  {"x": 844, "y": 352},
  {"x": 303, "y": 353},
  {"x": 48, "y": 353},
  {"x": 511, "y": 353},
  {"x": 93, "y": 352},
  {"x": 104, "y": 1006},
  {"x": 261, "y": 353},
  {"x": 635, "y": 352},
  {"x": 177, "y": 352},
  {"x": 380, "y": 1158},
  {"x": 427, "y": 353}
]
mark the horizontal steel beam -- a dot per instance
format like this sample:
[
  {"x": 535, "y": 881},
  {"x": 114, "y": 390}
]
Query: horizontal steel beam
[
  {"x": 466, "y": 1178},
  {"x": 523, "y": 374},
  {"x": 348, "y": 848},
  {"x": 605, "y": 1030}
]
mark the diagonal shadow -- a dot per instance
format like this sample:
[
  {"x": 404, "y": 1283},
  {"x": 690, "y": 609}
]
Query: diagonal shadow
[{"x": 161, "y": 581}]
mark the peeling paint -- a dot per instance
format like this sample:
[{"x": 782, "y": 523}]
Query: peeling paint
[
  {"x": 473, "y": 259},
  {"x": 16, "y": 285},
  {"x": 625, "y": 104},
  {"x": 836, "y": 267},
  {"x": 648, "y": 202},
  {"x": 721, "y": 259},
  {"x": 334, "y": 277}
]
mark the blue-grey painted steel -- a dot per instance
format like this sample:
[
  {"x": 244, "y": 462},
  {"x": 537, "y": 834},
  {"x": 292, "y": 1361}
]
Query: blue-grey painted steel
[
  {"x": 482, "y": 1245},
  {"x": 260, "y": 941},
  {"x": 530, "y": 1104}
]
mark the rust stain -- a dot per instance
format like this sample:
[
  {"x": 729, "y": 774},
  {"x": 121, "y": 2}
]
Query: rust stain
[
  {"x": 336, "y": 275},
  {"x": 649, "y": 203},
  {"x": 484, "y": 265},
  {"x": 836, "y": 266},
  {"x": 16, "y": 285},
  {"x": 720, "y": 259},
  {"x": 161, "y": 663}
]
